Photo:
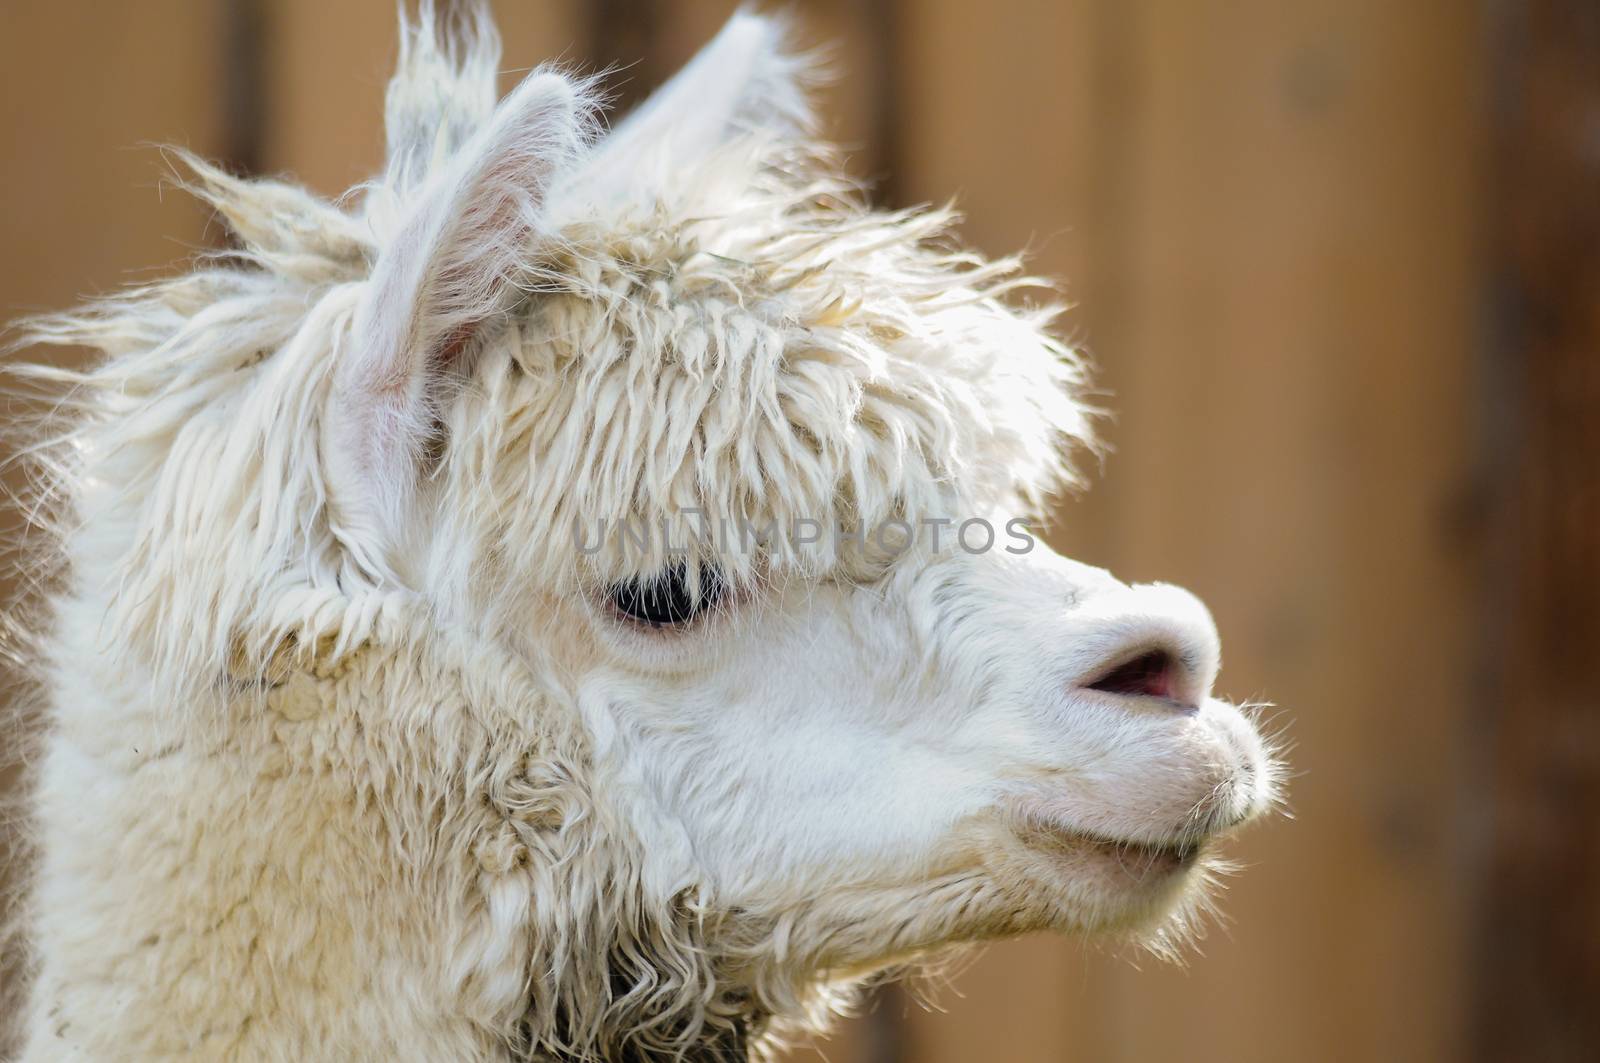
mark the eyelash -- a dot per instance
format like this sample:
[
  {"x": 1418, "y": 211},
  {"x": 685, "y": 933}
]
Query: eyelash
[{"x": 667, "y": 600}]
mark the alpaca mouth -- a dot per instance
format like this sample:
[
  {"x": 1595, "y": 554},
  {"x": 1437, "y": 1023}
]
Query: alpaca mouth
[{"x": 1137, "y": 859}]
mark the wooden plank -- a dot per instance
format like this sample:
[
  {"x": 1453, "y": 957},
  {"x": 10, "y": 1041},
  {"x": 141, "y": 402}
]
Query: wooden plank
[
  {"x": 1272, "y": 212},
  {"x": 83, "y": 210},
  {"x": 1297, "y": 328},
  {"x": 1539, "y": 928}
]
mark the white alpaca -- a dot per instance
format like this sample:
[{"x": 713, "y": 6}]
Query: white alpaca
[{"x": 505, "y": 621}]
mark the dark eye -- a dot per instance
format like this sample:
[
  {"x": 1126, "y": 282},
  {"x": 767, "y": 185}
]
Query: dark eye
[{"x": 669, "y": 599}]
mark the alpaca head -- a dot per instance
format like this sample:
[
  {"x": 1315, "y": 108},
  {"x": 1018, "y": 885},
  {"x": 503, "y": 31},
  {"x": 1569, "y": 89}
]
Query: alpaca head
[
  {"x": 743, "y": 462},
  {"x": 737, "y": 467}
]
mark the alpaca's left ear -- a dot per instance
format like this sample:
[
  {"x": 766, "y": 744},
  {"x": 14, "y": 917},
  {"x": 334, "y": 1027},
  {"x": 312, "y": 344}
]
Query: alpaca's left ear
[
  {"x": 453, "y": 267},
  {"x": 745, "y": 80}
]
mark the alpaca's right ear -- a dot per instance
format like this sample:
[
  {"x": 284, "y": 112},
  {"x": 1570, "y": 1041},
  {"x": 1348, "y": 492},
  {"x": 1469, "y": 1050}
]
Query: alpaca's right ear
[{"x": 456, "y": 264}]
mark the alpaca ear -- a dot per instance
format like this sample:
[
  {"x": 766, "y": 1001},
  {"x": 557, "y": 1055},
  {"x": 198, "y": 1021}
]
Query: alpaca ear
[
  {"x": 453, "y": 266},
  {"x": 743, "y": 81},
  {"x": 443, "y": 88}
]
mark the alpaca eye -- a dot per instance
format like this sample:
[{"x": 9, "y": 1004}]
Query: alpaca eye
[{"x": 668, "y": 599}]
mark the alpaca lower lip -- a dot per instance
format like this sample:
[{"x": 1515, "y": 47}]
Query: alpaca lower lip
[
  {"x": 1142, "y": 858},
  {"x": 1136, "y": 857}
]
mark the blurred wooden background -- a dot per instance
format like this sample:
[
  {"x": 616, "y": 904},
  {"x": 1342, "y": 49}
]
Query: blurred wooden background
[{"x": 1337, "y": 261}]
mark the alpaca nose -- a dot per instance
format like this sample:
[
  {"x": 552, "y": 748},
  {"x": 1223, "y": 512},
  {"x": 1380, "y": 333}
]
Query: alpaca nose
[{"x": 1155, "y": 645}]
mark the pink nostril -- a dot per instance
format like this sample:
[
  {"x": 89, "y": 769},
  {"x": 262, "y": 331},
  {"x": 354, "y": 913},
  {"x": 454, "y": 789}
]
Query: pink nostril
[
  {"x": 1148, "y": 675},
  {"x": 1154, "y": 647}
]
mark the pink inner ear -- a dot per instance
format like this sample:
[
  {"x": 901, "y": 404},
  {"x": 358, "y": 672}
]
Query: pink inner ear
[
  {"x": 450, "y": 270},
  {"x": 450, "y": 348},
  {"x": 482, "y": 248}
]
